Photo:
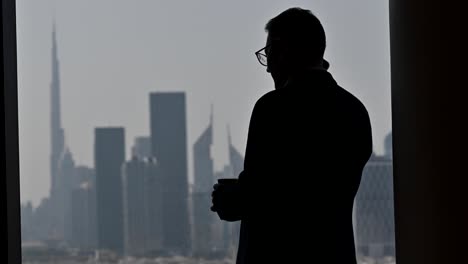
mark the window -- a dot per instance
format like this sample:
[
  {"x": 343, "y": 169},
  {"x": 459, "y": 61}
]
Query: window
[{"x": 92, "y": 92}]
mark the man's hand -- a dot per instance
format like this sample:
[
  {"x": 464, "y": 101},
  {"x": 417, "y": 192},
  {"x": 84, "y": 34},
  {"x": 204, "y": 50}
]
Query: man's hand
[{"x": 226, "y": 200}]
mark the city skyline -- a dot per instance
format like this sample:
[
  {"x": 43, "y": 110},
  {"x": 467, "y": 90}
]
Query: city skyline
[
  {"x": 109, "y": 65},
  {"x": 125, "y": 197},
  {"x": 98, "y": 74}
]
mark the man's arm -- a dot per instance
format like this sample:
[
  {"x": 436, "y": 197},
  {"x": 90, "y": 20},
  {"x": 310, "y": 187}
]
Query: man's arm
[
  {"x": 233, "y": 203},
  {"x": 259, "y": 155}
]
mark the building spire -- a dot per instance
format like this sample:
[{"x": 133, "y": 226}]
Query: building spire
[
  {"x": 211, "y": 114},
  {"x": 211, "y": 119},
  {"x": 56, "y": 131},
  {"x": 229, "y": 136}
]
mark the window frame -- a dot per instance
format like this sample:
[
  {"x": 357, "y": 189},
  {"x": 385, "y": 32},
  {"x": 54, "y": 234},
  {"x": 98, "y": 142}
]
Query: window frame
[
  {"x": 10, "y": 158},
  {"x": 409, "y": 247}
]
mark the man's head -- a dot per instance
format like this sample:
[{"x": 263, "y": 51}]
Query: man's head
[{"x": 296, "y": 41}]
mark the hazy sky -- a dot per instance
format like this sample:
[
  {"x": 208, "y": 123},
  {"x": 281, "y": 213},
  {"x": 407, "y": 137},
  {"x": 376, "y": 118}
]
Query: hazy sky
[{"x": 113, "y": 53}]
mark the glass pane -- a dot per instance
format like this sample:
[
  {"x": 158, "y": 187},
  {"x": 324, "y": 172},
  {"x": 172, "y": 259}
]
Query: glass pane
[{"x": 109, "y": 91}]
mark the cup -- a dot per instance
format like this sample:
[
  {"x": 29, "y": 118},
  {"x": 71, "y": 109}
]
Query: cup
[{"x": 229, "y": 205}]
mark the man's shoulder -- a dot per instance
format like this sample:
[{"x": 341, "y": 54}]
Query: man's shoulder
[
  {"x": 269, "y": 96},
  {"x": 351, "y": 101},
  {"x": 267, "y": 99}
]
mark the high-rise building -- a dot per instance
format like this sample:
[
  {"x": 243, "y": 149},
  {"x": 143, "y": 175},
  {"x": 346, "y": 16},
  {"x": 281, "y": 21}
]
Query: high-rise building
[
  {"x": 66, "y": 182},
  {"x": 201, "y": 196},
  {"x": 109, "y": 156},
  {"x": 84, "y": 174},
  {"x": 62, "y": 166},
  {"x": 83, "y": 220},
  {"x": 374, "y": 214},
  {"x": 83, "y": 209},
  {"x": 142, "y": 208},
  {"x": 169, "y": 146},
  {"x": 154, "y": 207},
  {"x": 142, "y": 147},
  {"x": 56, "y": 130},
  {"x": 134, "y": 204},
  {"x": 57, "y": 141},
  {"x": 203, "y": 162}
]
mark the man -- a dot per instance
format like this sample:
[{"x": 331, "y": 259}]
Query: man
[{"x": 308, "y": 142}]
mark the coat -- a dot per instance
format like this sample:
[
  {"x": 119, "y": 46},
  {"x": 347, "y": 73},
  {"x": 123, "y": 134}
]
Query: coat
[{"x": 308, "y": 143}]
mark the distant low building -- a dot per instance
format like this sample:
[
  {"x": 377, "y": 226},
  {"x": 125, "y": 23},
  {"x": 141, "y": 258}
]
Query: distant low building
[
  {"x": 27, "y": 233},
  {"x": 203, "y": 218},
  {"x": 374, "y": 213}
]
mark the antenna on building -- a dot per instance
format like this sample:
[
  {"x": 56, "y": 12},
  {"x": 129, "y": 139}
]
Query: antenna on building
[
  {"x": 229, "y": 135},
  {"x": 54, "y": 13},
  {"x": 211, "y": 114}
]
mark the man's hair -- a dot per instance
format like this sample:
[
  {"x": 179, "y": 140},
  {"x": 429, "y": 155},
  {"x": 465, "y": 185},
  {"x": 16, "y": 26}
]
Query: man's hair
[{"x": 301, "y": 31}]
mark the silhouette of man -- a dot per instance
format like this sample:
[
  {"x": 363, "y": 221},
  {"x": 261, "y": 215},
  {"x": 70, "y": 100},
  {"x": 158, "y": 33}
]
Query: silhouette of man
[{"x": 308, "y": 142}]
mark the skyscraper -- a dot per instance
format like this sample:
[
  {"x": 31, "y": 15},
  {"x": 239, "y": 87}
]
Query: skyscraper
[
  {"x": 142, "y": 147},
  {"x": 83, "y": 220},
  {"x": 85, "y": 174},
  {"x": 142, "y": 207},
  {"x": 62, "y": 166},
  {"x": 154, "y": 206},
  {"x": 201, "y": 195},
  {"x": 66, "y": 182},
  {"x": 134, "y": 206},
  {"x": 83, "y": 209},
  {"x": 56, "y": 130},
  {"x": 203, "y": 163},
  {"x": 109, "y": 155},
  {"x": 56, "y": 215},
  {"x": 169, "y": 146}
]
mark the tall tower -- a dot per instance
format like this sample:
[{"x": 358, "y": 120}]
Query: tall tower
[
  {"x": 201, "y": 196},
  {"x": 56, "y": 130},
  {"x": 203, "y": 171},
  {"x": 169, "y": 146},
  {"x": 109, "y": 156}
]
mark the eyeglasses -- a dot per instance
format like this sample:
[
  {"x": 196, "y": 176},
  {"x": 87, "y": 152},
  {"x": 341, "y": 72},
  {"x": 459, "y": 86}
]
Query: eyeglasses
[{"x": 262, "y": 57}]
